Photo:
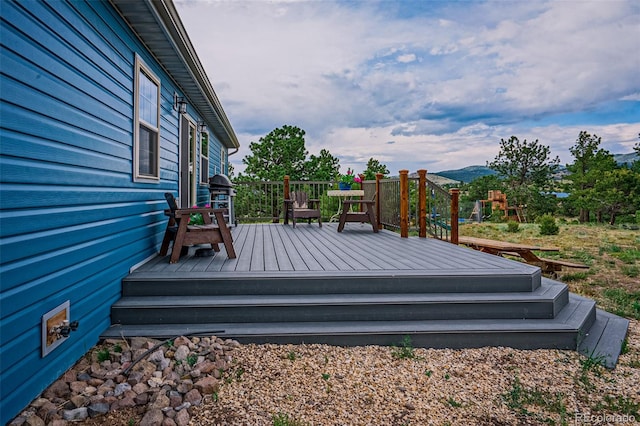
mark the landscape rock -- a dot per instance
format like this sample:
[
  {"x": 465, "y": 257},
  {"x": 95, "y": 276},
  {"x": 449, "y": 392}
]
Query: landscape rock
[{"x": 160, "y": 385}]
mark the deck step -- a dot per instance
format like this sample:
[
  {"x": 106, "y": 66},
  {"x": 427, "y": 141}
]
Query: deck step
[
  {"x": 329, "y": 282},
  {"x": 561, "y": 332},
  {"x": 545, "y": 302}
]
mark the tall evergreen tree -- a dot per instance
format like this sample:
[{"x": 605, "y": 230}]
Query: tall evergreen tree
[
  {"x": 588, "y": 167},
  {"x": 280, "y": 153},
  {"x": 322, "y": 167},
  {"x": 374, "y": 166},
  {"x": 526, "y": 168}
]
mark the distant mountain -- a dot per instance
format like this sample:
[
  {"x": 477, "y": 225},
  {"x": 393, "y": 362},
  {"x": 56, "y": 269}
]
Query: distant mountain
[
  {"x": 467, "y": 174},
  {"x": 626, "y": 158},
  {"x": 470, "y": 173}
]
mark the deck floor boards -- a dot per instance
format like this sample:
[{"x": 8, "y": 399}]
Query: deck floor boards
[{"x": 282, "y": 249}]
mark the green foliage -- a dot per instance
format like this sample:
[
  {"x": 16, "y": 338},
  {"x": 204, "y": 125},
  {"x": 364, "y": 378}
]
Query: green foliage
[
  {"x": 452, "y": 402},
  {"x": 548, "y": 225},
  {"x": 291, "y": 356},
  {"x": 513, "y": 226},
  {"x": 518, "y": 398},
  {"x": 526, "y": 168},
  {"x": 479, "y": 188},
  {"x": 405, "y": 350},
  {"x": 103, "y": 355},
  {"x": 280, "y": 153},
  {"x": 282, "y": 419},
  {"x": 117, "y": 348},
  {"x": 323, "y": 167},
  {"x": 192, "y": 359},
  {"x": 373, "y": 167},
  {"x": 625, "y": 304}
]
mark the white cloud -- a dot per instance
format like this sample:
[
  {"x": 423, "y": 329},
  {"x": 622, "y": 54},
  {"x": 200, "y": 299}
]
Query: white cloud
[{"x": 443, "y": 84}]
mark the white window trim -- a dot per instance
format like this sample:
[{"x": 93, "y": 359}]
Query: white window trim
[
  {"x": 223, "y": 160},
  {"x": 137, "y": 177},
  {"x": 205, "y": 173}
]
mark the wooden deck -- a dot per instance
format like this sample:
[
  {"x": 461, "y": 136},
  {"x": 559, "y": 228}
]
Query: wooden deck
[
  {"x": 357, "y": 250},
  {"x": 312, "y": 284}
]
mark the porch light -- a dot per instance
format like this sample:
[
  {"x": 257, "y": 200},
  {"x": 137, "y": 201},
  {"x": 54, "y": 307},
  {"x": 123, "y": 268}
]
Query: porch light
[
  {"x": 179, "y": 103},
  {"x": 202, "y": 126}
]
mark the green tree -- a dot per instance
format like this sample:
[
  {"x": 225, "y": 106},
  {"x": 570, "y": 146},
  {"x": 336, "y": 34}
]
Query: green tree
[
  {"x": 373, "y": 167},
  {"x": 616, "y": 192},
  {"x": 527, "y": 169},
  {"x": 281, "y": 152},
  {"x": 588, "y": 167},
  {"x": 478, "y": 189},
  {"x": 323, "y": 167}
]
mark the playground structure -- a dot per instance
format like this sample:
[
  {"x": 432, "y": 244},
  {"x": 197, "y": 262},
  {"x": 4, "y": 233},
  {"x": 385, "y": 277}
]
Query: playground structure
[{"x": 499, "y": 205}]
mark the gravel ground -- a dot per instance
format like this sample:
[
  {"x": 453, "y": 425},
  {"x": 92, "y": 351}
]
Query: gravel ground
[
  {"x": 294, "y": 385},
  {"x": 325, "y": 385}
]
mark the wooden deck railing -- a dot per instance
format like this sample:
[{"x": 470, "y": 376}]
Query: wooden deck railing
[{"x": 404, "y": 204}]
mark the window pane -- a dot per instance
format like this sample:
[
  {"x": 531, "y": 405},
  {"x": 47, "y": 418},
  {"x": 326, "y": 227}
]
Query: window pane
[
  {"x": 148, "y": 101},
  {"x": 148, "y": 146},
  {"x": 204, "y": 170}
]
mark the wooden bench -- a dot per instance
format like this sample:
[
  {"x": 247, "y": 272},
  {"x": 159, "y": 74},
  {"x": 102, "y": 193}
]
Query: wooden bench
[{"x": 526, "y": 252}]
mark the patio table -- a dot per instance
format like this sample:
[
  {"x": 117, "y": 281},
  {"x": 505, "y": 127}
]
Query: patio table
[{"x": 343, "y": 194}]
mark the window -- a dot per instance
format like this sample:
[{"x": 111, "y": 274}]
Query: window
[
  {"x": 204, "y": 157},
  {"x": 146, "y": 136},
  {"x": 223, "y": 160}
]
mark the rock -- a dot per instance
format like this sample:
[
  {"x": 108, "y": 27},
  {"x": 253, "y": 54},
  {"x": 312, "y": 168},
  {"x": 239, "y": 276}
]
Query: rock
[
  {"x": 153, "y": 417},
  {"x": 142, "y": 399},
  {"x": 76, "y": 414},
  {"x": 159, "y": 359},
  {"x": 207, "y": 385},
  {"x": 18, "y": 421},
  {"x": 194, "y": 397},
  {"x": 182, "y": 418},
  {"x": 185, "y": 386},
  {"x": 162, "y": 401},
  {"x": 181, "y": 353},
  {"x": 168, "y": 421},
  {"x": 98, "y": 409},
  {"x": 140, "y": 388},
  {"x": 35, "y": 421},
  {"x": 83, "y": 377},
  {"x": 78, "y": 400},
  {"x": 121, "y": 388},
  {"x": 126, "y": 402},
  {"x": 175, "y": 398},
  {"x": 59, "y": 389}
]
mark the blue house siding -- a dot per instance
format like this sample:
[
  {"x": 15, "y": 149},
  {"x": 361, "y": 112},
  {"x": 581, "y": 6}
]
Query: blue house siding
[{"x": 72, "y": 221}]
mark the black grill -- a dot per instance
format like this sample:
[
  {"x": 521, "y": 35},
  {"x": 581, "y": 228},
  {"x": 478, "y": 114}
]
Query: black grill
[{"x": 222, "y": 193}]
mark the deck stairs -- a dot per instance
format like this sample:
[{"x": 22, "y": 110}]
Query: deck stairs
[{"x": 526, "y": 310}]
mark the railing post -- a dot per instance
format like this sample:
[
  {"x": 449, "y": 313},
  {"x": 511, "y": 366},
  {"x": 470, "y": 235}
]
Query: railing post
[
  {"x": 361, "y": 176},
  {"x": 455, "y": 194},
  {"x": 404, "y": 203},
  {"x": 286, "y": 197},
  {"x": 379, "y": 177},
  {"x": 422, "y": 203}
]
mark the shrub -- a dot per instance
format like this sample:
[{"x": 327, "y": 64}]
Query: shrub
[
  {"x": 513, "y": 226},
  {"x": 547, "y": 225}
]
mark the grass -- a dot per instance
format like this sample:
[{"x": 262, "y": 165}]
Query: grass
[
  {"x": 519, "y": 398},
  {"x": 405, "y": 350},
  {"x": 612, "y": 254},
  {"x": 282, "y": 419}
]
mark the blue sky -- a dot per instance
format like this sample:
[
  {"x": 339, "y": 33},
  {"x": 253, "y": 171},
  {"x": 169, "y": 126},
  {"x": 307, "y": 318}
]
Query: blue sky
[{"x": 423, "y": 84}]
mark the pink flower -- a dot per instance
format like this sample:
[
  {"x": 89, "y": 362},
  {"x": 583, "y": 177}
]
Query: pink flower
[{"x": 357, "y": 179}]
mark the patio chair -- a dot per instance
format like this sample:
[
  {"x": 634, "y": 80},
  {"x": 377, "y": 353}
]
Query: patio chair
[
  {"x": 349, "y": 214},
  {"x": 300, "y": 206},
  {"x": 182, "y": 234}
]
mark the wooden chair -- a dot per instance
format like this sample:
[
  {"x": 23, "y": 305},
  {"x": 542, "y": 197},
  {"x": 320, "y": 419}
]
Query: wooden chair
[
  {"x": 300, "y": 206},
  {"x": 367, "y": 215},
  {"x": 182, "y": 234}
]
